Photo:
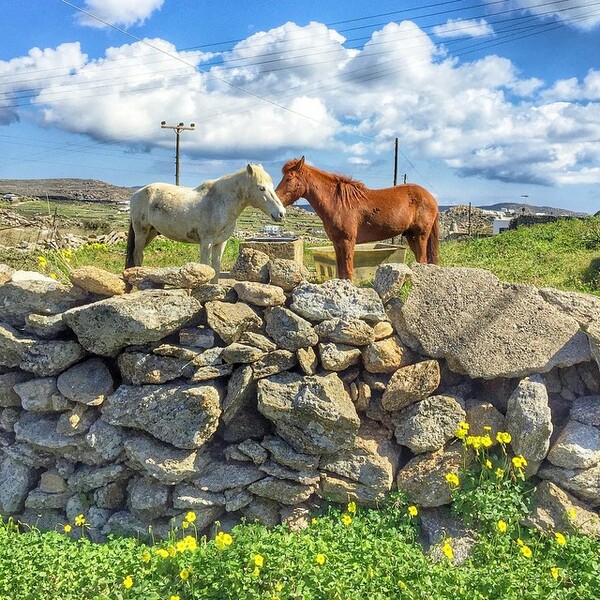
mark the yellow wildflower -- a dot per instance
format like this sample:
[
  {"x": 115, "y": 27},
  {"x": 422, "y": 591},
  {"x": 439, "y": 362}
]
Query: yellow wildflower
[
  {"x": 503, "y": 437},
  {"x": 320, "y": 559},
  {"x": 447, "y": 550},
  {"x": 486, "y": 441},
  {"x": 499, "y": 473},
  {"x": 487, "y": 428},
  {"x": 67, "y": 528},
  {"x": 560, "y": 538},
  {"x": 346, "y": 519},
  {"x": 146, "y": 557},
  {"x": 181, "y": 546},
  {"x": 128, "y": 582},
  {"x": 259, "y": 560},
  {"x": 571, "y": 513},
  {"x": 488, "y": 463},
  {"x": 464, "y": 425},
  {"x": 462, "y": 431},
  {"x": 190, "y": 517},
  {"x": 413, "y": 511},
  {"x": 554, "y": 571},
  {"x": 190, "y": 543},
  {"x": 452, "y": 479},
  {"x": 162, "y": 553},
  {"x": 520, "y": 542},
  {"x": 519, "y": 462},
  {"x": 80, "y": 520},
  {"x": 172, "y": 551},
  {"x": 278, "y": 587},
  {"x": 474, "y": 441},
  {"x": 53, "y": 276},
  {"x": 351, "y": 508},
  {"x": 314, "y": 521},
  {"x": 256, "y": 572},
  {"x": 184, "y": 574},
  {"x": 185, "y": 524},
  {"x": 526, "y": 551},
  {"x": 501, "y": 526},
  {"x": 222, "y": 540},
  {"x": 174, "y": 597}
]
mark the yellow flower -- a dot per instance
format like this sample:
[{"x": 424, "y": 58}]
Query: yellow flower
[
  {"x": 519, "y": 462},
  {"x": 413, "y": 511},
  {"x": 173, "y": 597},
  {"x": 474, "y": 441},
  {"x": 486, "y": 441},
  {"x": 501, "y": 526},
  {"x": 314, "y": 521},
  {"x": 190, "y": 517},
  {"x": 128, "y": 582},
  {"x": 488, "y": 464},
  {"x": 452, "y": 479},
  {"x": 503, "y": 437},
  {"x": 571, "y": 513},
  {"x": 190, "y": 543},
  {"x": 526, "y": 551},
  {"x": 447, "y": 551},
  {"x": 461, "y": 432},
  {"x": 256, "y": 572},
  {"x": 172, "y": 551},
  {"x": 146, "y": 557},
  {"x": 42, "y": 261},
  {"x": 162, "y": 553},
  {"x": 259, "y": 560},
  {"x": 184, "y": 574},
  {"x": 554, "y": 571},
  {"x": 320, "y": 559},
  {"x": 560, "y": 538},
  {"x": 181, "y": 546},
  {"x": 464, "y": 425},
  {"x": 80, "y": 520},
  {"x": 487, "y": 428},
  {"x": 351, "y": 508},
  {"x": 185, "y": 524},
  {"x": 67, "y": 528},
  {"x": 520, "y": 542},
  {"x": 222, "y": 540},
  {"x": 346, "y": 519},
  {"x": 53, "y": 276},
  {"x": 499, "y": 473}
]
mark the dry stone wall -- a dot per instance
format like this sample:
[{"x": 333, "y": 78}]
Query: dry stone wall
[{"x": 263, "y": 397}]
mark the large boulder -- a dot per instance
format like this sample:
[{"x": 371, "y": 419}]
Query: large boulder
[
  {"x": 314, "y": 414},
  {"x": 107, "y": 326},
  {"x": 486, "y": 328}
]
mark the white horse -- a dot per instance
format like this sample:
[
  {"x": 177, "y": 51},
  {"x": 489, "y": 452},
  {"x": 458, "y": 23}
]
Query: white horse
[{"x": 205, "y": 215}]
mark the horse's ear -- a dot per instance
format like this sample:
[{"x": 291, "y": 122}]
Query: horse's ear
[
  {"x": 249, "y": 169},
  {"x": 300, "y": 164}
]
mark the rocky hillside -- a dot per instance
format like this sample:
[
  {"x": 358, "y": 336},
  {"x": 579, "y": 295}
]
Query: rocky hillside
[{"x": 65, "y": 189}]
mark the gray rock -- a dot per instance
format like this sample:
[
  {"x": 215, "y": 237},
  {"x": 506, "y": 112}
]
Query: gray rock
[
  {"x": 41, "y": 395},
  {"x": 482, "y": 414},
  {"x": 107, "y": 326},
  {"x": 287, "y": 274},
  {"x": 307, "y": 359},
  {"x": 197, "y": 337},
  {"x": 241, "y": 388},
  {"x": 221, "y": 476},
  {"x": 281, "y": 491},
  {"x": 585, "y": 308},
  {"x": 585, "y": 409},
  {"x": 40, "y": 430},
  {"x": 257, "y": 340},
  {"x": 389, "y": 279},
  {"x": 45, "y": 297},
  {"x": 583, "y": 483},
  {"x": 288, "y": 330},
  {"x": 86, "y": 479},
  {"x": 352, "y": 332},
  {"x": 486, "y": 328},
  {"x": 76, "y": 421},
  {"x": 124, "y": 524},
  {"x": 555, "y": 510},
  {"x": 247, "y": 424},
  {"x": 51, "y": 357},
  {"x": 112, "y": 496},
  {"x": 577, "y": 447},
  {"x": 16, "y": 479},
  {"x": 338, "y": 357},
  {"x": 237, "y": 499},
  {"x": 262, "y": 510},
  {"x": 273, "y": 363},
  {"x": 259, "y": 294},
  {"x": 166, "y": 464},
  {"x": 251, "y": 265},
  {"x": 439, "y": 526},
  {"x": 229, "y": 321},
  {"x": 140, "y": 368},
  {"x": 8, "y": 417},
  {"x": 278, "y": 471},
  {"x": 237, "y": 353},
  {"x": 183, "y": 415},
  {"x": 211, "y": 372},
  {"x": 13, "y": 346},
  {"x": 313, "y": 414},
  {"x": 51, "y": 482},
  {"x": 214, "y": 291},
  {"x": 40, "y": 500},
  {"x": 97, "y": 281},
  {"x": 147, "y": 499},
  {"x": 88, "y": 382},
  {"x": 337, "y": 298},
  {"x": 188, "y": 276},
  {"x": 410, "y": 384},
  {"x": 45, "y": 326},
  {"x": 423, "y": 478},
  {"x": 528, "y": 419},
  {"x": 253, "y": 450},
  {"x": 427, "y": 425},
  {"x": 284, "y": 454},
  {"x": 189, "y": 497},
  {"x": 106, "y": 440}
]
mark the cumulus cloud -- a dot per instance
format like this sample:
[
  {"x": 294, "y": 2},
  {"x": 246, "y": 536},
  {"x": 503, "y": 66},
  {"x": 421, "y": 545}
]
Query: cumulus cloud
[
  {"x": 458, "y": 28},
  {"x": 123, "y": 13},
  {"x": 294, "y": 89},
  {"x": 575, "y": 13}
]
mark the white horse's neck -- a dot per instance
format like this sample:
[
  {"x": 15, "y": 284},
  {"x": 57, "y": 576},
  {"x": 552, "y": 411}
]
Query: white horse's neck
[{"x": 235, "y": 187}]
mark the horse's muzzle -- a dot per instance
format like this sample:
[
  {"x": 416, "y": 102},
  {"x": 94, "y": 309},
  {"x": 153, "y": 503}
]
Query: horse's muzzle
[{"x": 278, "y": 216}]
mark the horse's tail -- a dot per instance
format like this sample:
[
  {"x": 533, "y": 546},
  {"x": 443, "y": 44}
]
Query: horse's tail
[
  {"x": 433, "y": 242},
  {"x": 129, "y": 260}
]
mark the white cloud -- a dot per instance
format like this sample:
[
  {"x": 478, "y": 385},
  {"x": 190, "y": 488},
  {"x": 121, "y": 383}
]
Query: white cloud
[
  {"x": 481, "y": 118},
  {"x": 458, "y": 28},
  {"x": 580, "y": 14},
  {"x": 123, "y": 13}
]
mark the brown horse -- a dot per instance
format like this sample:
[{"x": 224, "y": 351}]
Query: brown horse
[{"x": 353, "y": 214}]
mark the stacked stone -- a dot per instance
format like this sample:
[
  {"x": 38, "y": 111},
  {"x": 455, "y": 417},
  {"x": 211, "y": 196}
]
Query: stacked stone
[{"x": 262, "y": 397}]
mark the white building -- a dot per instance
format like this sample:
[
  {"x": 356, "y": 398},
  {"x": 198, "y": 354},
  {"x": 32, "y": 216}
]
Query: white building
[{"x": 500, "y": 224}]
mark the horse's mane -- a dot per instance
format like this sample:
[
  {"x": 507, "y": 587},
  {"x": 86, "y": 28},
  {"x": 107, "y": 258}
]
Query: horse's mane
[{"x": 348, "y": 191}]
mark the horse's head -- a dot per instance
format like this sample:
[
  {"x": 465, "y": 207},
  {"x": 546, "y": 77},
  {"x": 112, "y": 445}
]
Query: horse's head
[
  {"x": 292, "y": 185},
  {"x": 262, "y": 193}
]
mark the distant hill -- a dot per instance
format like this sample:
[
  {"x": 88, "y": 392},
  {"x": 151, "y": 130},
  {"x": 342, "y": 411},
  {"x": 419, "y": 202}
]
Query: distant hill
[
  {"x": 527, "y": 209},
  {"x": 66, "y": 189}
]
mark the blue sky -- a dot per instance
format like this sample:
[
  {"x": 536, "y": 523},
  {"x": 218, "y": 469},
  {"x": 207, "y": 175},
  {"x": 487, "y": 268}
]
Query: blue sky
[{"x": 492, "y": 101}]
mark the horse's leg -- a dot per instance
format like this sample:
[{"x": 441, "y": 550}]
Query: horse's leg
[
  {"x": 417, "y": 240},
  {"x": 344, "y": 254},
  {"x": 217, "y": 253},
  {"x": 142, "y": 238}
]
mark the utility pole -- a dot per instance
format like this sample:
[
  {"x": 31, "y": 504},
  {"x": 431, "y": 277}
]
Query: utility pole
[
  {"x": 177, "y": 129},
  {"x": 396, "y": 162}
]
